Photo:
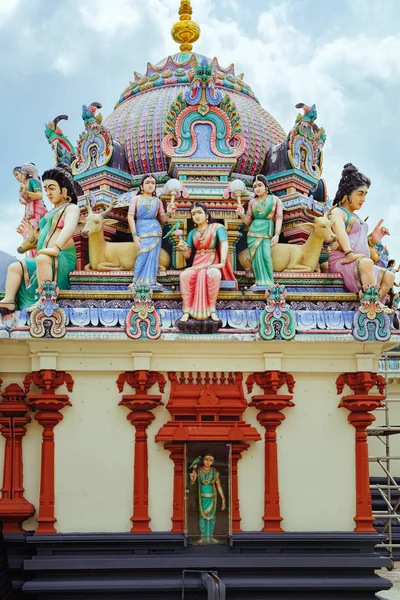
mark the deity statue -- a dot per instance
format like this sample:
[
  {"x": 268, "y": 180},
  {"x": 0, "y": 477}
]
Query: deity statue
[
  {"x": 350, "y": 254},
  {"x": 30, "y": 192},
  {"x": 264, "y": 215},
  {"x": 200, "y": 283},
  {"x": 207, "y": 476},
  {"x": 56, "y": 255},
  {"x": 145, "y": 216}
]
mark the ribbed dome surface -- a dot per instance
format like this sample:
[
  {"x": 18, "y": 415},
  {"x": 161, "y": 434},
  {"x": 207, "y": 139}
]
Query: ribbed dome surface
[{"x": 138, "y": 119}]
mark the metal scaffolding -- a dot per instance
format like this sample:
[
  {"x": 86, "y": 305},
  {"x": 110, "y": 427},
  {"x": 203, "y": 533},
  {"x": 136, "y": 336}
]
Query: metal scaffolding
[{"x": 386, "y": 493}]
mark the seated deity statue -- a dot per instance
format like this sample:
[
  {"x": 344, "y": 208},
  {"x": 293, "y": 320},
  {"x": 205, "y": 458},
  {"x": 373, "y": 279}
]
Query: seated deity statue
[
  {"x": 201, "y": 282},
  {"x": 350, "y": 254},
  {"x": 56, "y": 253}
]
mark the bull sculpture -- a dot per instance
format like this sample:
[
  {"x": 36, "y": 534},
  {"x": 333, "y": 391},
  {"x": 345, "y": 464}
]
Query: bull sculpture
[
  {"x": 111, "y": 256},
  {"x": 298, "y": 258}
]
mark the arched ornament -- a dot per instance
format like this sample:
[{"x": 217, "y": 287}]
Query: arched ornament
[
  {"x": 306, "y": 141},
  {"x": 95, "y": 145}
]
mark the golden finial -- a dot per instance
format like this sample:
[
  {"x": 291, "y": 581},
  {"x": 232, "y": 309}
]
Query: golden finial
[{"x": 185, "y": 31}]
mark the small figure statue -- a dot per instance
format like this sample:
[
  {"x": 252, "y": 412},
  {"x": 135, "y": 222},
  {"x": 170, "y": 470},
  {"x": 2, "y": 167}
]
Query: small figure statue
[
  {"x": 200, "y": 283},
  {"x": 207, "y": 477},
  {"x": 30, "y": 193},
  {"x": 146, "y": 212},
  {"x": 350, "y": 254},
  {"x": 56, "y": 255},
  {"x": 264, "y": 215}
]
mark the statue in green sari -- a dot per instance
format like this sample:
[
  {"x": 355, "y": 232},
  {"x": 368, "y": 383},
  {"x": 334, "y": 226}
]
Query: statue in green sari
[
  {"x": 56, "y": 255},
  {"x": 264, "y": 215},
  {"x": 207, "y": 476}
]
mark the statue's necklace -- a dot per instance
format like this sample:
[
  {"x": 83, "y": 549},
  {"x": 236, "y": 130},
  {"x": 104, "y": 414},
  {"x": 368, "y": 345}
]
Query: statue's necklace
[
  {"x": 201, "y": 234},
  {"x": 207, "y": 476},
  {"x": 148, "y": 202},
  {"x": 261, "y": 204}
]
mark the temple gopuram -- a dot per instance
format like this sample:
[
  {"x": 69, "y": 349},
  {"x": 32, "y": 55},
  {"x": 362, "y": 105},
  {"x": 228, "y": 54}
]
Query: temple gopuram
[{"x": 190, "y": 348}]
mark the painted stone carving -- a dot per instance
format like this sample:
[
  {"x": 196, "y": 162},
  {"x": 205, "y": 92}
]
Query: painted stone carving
[
  {"x": 56, "y": 256},
  {"x": 95, "y": 145},
  {"x": 350, "y": 256},
  {"x": 64, "y": 151},
  {"x": 47, "y": 319},
  {"x": 203, "y": 471},
  {"x": 202, "y": 123},
  {"x": 142, "y": 321},
  {"x": 306, "y": 141},
  {"x": 370, "y": 322},
  {"x": 200, "y": 283},
  {"x": 277, "y": 320}
]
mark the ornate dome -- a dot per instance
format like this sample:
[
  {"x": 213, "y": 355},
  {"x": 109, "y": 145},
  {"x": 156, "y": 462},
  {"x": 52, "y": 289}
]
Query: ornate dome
[{"x": 138, "y": 119}]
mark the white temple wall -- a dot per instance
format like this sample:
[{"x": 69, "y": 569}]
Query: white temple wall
[{"x": 94, "y": 449}]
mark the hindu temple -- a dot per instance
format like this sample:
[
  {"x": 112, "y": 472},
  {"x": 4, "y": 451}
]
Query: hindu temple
[{"x": 190, "y": 348}]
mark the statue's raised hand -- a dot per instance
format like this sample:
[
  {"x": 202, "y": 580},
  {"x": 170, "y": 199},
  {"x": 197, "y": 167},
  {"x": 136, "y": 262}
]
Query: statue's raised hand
[
  {"x": 26, "y": 230},
  {"x": 378, "y": 233},
  {"x": 240, "y": 210}
]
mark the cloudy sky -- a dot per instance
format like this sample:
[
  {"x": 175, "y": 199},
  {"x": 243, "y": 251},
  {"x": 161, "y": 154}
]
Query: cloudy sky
[{"x": 343, "y": 55}]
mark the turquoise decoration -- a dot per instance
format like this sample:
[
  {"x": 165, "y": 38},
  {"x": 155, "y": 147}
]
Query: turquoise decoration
[
  {"x": 142, "y": 321},
  {"x": 202, "y": 123},
  {"x": 95, "y": 144},
  {"x": 370, "y": 322},
  {"x": 277, "y": 321},
  {"x": 306, "y": 141},
  {"x": 63, "y": 149},
  {"x": 47, "y": 312}
]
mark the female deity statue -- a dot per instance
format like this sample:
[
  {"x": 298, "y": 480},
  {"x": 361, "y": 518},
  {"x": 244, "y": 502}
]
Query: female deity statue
[
  {"x": 30, "y": 193},
  {"x": 208, "y": 485},
  {"x": 350, "y": 254},
  {"x": 146, "y": 212},
  {"x": 200, "y": 283},
  {"x": 264, "y": 215},
  {"x": 56, "y": 255}
]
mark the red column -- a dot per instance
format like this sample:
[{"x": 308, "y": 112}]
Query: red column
[
  {"x": 140, "y": 404},
  {"x": 177, "y": 454},
  {"x": 269, "y": 406},
  {"x": 14, "y": 508},
  {"x": 82, "y": 255},
  {"x": 48, "y": 404},
  {"x": 361, "y": 404},
  {"x": 237, "y": 450}
]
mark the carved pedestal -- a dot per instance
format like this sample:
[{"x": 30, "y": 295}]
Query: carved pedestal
[
  {"x": 361, "y": 404},
  {"x": 140, "y": 404},
  {"x": 47, "y": 406},
  {"x": 14, "y": 508},
  {"x": 269, "y": 406}
]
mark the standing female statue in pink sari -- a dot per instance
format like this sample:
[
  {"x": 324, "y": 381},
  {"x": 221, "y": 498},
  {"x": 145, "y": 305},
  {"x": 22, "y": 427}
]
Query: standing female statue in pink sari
[
  {"x": 350, "y": 254},
  {"x": 200, "y": 283},
  {"x": 31, "y": 194}
]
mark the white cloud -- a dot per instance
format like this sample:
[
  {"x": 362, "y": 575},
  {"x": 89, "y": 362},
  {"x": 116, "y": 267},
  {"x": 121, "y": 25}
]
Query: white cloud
[
  {"x": 108, "y": 17},
  {"x": 7, "y": 8}
]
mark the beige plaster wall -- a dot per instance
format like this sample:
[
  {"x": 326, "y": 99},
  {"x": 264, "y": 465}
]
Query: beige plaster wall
[{"x": 94, "y": 442}]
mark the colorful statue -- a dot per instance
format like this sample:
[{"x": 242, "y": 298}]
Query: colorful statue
[
  {"x": 200, "y": 283},
  {"x": 350, "y": 254},
  {"x": 264, "y": 215},
  {"x": 63, "y": 149},
  {"x": 146, "y": 212},
  {"x": 56, "y": 255},
  {"x": 30, "y": 193},
  {"x": 207, "y": 477}
]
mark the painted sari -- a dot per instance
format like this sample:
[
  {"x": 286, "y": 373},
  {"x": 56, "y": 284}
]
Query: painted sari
[
  {"x": 200, "y": 283},
  {"x": 261, "y": 231},
  {"x": 149, "y": 231},
  {"x": 34, "y": 209},
  {"x": 63, "y": 264},
  {"x": 207, "y": 502},
  {"x": 357, "y": 230}
]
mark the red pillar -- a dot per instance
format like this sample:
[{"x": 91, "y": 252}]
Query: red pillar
[
  {"x": 47, "y": 406},
  {"x": 140, "y": 404},
  {"x": 361, "y": 404},
  {"x": 177, "y": 454},
  {"x": 237, "y": 450},
  {"x": 269, "y": 406},
  {"x": 14, "y": 508}
]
